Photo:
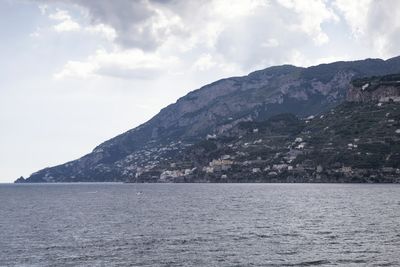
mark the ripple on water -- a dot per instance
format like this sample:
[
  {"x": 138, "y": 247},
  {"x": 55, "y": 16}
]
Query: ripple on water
[{"x": 199, "y": 225}]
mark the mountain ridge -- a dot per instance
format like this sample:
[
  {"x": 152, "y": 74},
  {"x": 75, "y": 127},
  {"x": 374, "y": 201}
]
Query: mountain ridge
[{"x": 217, "y": 107}]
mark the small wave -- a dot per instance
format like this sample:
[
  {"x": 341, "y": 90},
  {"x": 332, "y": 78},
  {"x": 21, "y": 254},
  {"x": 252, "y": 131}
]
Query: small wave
[
  {"x": 312, "y": 263},
  {"x": 287, "y": 253},
  {"x": 263, "y": 236},
  {"x": 323, "y": 232},
  {"x": 350, "y": 261},
  {"x": 308, "y": 263}
]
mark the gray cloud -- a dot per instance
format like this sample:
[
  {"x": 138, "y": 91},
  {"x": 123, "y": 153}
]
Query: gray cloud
[
  {"x": 374, "y": 24},
  {"x": 138, "y": 23},
  {"x": 128, "y": 18},
  {"x": 383, "y": 26},
  {"x": 237, "y": 31},
  {"x": 250, "y": 41},
  {"x": 237, "y": 35}
]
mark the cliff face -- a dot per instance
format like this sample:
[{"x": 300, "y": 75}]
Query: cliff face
[
  {"x": 375, "y": 89},
  {"x": 213, "y": 110}
]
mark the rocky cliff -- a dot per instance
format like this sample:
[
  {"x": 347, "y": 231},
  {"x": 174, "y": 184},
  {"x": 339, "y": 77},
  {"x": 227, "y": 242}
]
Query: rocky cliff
[
  {"x": 371, "y": 89},
  {"x": 213, "y": 110}
]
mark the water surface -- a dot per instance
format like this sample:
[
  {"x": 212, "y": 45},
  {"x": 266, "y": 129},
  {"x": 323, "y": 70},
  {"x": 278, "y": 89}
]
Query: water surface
[{"x": 199, "y": 225}]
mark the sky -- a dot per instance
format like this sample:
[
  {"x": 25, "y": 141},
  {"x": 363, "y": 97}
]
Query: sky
[{"x": 74, "y": 73}]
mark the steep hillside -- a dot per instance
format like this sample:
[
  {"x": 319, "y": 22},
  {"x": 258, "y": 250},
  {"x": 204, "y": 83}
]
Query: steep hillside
[
  {"x": 354, "y": 142},
  {"x": 215, "y": 109}
]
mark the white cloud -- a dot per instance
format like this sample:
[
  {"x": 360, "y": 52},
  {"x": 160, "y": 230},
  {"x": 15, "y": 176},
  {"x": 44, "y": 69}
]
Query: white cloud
[
  {"x": 66, "y": 24},
  {"x": 76, "y": 69},
  {"x": 219, "y": 36},
  {"x": 375, "y": 24},
  {"x": 270, "y": 43},
  {"x": 229, "y": 9},
  {"x": 355, "y": 14},
  {"x": 103, "y": 30},
  {"x": 312, "y": 14},
  {"x": 132, "y": 63},
  {"x": 299, "y": 59},
  {"x": 137, "y": 24},
  {"x": 204, "y": 62},
  {"x": 43, "y": 9},
  {"x": 60, "y": 15},
  {"x": 208, "y": 62},
  {"x": 35, "y": 34}
]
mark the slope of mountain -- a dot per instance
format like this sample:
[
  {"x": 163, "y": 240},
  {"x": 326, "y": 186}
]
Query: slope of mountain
[
  {"x": 357, "y": 141},
  {"x": 354, "y": 142},
  {"x": 215, "y": 110}
]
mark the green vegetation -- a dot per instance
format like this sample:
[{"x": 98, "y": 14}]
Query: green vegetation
[{"x": 355, "y": 142}]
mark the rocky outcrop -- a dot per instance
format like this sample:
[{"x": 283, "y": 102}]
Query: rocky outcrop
[{"x": 375, "y": 89}]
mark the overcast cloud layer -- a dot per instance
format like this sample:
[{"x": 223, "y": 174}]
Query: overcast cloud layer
[{"x": 77, "y": 72}]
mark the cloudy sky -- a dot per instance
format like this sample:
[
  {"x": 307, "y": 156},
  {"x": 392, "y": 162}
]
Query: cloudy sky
[{"x": 74, "y": 73}]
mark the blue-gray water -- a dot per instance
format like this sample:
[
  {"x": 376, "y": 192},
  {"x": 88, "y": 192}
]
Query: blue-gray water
[{"x": 199, "y": 225}]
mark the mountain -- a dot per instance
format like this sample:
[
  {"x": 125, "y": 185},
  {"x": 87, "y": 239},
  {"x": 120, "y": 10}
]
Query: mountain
[
  {"x": 354, "y": 142},
  {"x": 215, "y": 110},
  {"x": 357, "y": 141}
]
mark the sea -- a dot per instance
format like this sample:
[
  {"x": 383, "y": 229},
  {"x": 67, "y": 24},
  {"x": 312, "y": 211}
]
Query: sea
[{"x": 111, "y": 224}]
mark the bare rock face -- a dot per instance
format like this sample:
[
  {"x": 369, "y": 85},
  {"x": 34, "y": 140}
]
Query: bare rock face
[
  {"x": 214, "y": 109},
  {"x": 375, "y": 89},
  {"x": 381, "y": 94}
]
